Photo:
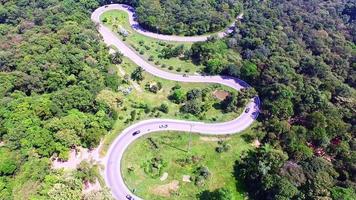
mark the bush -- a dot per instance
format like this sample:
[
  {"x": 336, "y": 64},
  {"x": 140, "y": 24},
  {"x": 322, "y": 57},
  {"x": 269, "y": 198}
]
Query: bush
[
  {"x": 164, "y": 108},
  {"x": 163, "y": 65},
  {"x": 202, "y": 174},
  {"x": 170, "y": 67},
  {"x": 178, "y": 96},
  {"x": 177, "y": 86},
  {"x": 151, "y": 58},
  {"x": 154, "y": 167},
  {"x": 192, "y": 107},
  {"x": 142, "y": 52},
  {"x": 223, "y": 147},
  {"x": 179, "y": 69}
]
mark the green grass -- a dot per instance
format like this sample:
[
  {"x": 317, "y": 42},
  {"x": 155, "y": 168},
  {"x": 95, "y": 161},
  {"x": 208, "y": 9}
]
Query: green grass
[
  {"x": 140, "y": 42},
  {"x": 174, "y": 146},
  {"x": 155, "y": 100}
]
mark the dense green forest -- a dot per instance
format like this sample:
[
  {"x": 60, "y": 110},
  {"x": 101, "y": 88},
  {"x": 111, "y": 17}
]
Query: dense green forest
[
  {"x": 300, "y": 57},
  {"x": 185, "y": 17},
  {"x": 50, "y": 53}
]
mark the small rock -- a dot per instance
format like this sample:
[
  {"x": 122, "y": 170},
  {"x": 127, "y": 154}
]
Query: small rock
[
  {"x": 186, "y": 178},
  {"x": 164, "y": 176}
]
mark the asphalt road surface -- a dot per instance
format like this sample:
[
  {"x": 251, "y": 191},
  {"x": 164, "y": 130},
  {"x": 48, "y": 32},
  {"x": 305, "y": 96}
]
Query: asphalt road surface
[{"x": 113, "y": 177}]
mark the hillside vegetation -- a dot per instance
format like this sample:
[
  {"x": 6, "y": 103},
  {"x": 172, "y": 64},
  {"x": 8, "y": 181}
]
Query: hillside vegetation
[
  {"x": 185, "y": 17},
  {"x": 52, "y": 65},
  {"x": 300, "y": 57}
]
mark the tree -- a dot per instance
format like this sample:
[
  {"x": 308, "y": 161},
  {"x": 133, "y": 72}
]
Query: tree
[
  {"x": 178, "y": 96},
  {"x": 87, "y": 172},
  {"x": 112, "y": 81},
  {"x": 116, "y": 58},
  {"x": 285, "y": 190},
  {"x": 192, "y": 107},
  {"x": 219, "y": 194},
  {"x": 7, "y": 162},
  {"x": 343, "y": 193},
  {"x": 194, "y": 94},
  {"x": 137, "y": 74},
  {"x": 249, "y": 70},
  {"x": 74, "y": 97},
  {"x": 164, "y": 108}
]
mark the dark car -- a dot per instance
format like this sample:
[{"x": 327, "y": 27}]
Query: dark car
[
  {"x": 136, "y": 133},
  {"x": 163, "y": 126},
  {"x": 247, "y": 110},
  {"x": 185, "y": 75},
  {"x": 129, "y": 197}
]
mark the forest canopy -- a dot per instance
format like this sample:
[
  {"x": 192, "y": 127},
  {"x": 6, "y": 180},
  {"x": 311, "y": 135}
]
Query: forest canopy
[
  {"x": 185, "y": 17},
  {"x": 298, "y": 55},
  {"x": 50, "y": 53}
]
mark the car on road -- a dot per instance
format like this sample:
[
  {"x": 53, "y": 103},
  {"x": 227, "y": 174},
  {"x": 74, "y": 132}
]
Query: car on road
[
  {"x": 136, "y": 133},
  {"x": 247, "y": 110},
  {"x": 163, "y": 126},
  {"x": 129, "y": 197},
  {"x": 185, "y": 75}
]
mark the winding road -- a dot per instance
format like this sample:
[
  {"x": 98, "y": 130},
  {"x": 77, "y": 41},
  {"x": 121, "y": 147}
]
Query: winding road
[{"x": 113, "y": 177}]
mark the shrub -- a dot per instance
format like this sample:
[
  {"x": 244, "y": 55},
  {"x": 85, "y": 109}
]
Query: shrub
[
  {"x": 163, "y": 108},
  {"x": 170, "y": 67},
  {"x": 178, "y": 96}
]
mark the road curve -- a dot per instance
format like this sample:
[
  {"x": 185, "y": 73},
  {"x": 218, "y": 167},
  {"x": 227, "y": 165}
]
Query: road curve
[
  {"x": 113, "y": 177},
  {"x": 135, "y": 25}
]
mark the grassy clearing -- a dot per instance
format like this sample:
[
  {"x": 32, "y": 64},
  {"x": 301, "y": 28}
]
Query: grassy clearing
[
  {"x": 172, "y": 147},
  {"x": 149, "y": 48},
  {"x": 138, "y": 98}
]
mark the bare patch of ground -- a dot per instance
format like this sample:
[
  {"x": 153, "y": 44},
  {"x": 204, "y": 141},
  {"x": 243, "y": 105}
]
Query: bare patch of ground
[
  {"x": 186, "y": 178},
  {"x": 221, "y": 94},
  {"x": 166, "y": 189},
  {"x": 256, "y": 143},
  {"x": 213, "y": 139},
  {"x": 76, "y": 156}
]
